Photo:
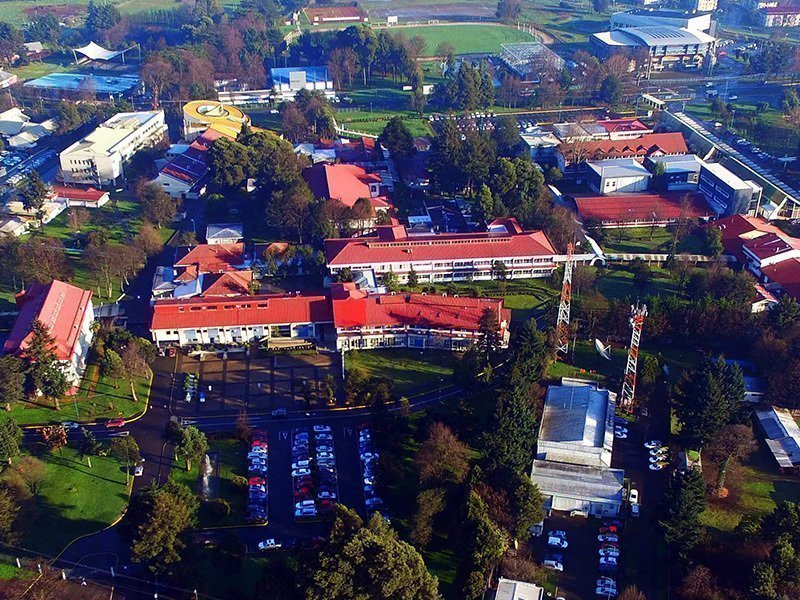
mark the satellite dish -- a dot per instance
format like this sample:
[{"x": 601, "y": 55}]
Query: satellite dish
[{"x": 604, "y": 351}]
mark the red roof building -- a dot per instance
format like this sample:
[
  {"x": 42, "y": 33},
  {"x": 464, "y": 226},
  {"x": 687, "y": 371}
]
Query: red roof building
[
  {"x": 653, "y": 144},
  {"x": 445, "y": 257},
  {"x": 80, "y": 196},
  {"x": 232, "y": 283},
  {"x": 365, "y": 321},
  {"x": 67, "y": 313},
  {"x": 208, "y": 258},
  {"x": 635, "y": 210},
  {"x": 345, "y": 183},
  {"x": 625, "y": 129},
  {"x": 335, "y": 14},
  {"x": 221, "y": 321}
]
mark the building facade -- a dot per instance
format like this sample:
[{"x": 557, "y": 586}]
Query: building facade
[
  {"x": 617, "y": 175},
  {"x": 639, "y": 17},
  {"x": 67, "y": 312},
  {"x": 287, "y": 81},
  {"x": 726, "y": 193},
  {"x": 98, "y": 158},
  {"x": 779, "y": 16},
  {"x": 680, "y": 172},
  {"x": 365, "y": 321},
  {"x": 507, "y": 252}
]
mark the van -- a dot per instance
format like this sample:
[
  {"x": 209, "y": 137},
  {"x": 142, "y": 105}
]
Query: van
[
  {"x": 538, "y": 529},
  {"x": 553, "y": 565}
]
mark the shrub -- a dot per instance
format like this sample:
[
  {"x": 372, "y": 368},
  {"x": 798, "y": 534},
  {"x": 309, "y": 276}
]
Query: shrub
[
  {"x": 239, "y": 482},
  {"x": 218, "y": 508}
]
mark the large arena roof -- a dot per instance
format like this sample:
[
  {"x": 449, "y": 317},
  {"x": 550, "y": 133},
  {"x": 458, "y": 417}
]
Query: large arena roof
[{"x": 76, "y": 81}]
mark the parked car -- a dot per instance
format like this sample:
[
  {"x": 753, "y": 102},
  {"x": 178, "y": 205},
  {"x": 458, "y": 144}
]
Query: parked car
[
  {"x": 608, "y": 561},
  {"x": 652, "y": 444},
  {"x": 119, "y": 422},
  {"x": 138, "y": 471},
  {"x": 608, "y": 537},
  {"x": 659, "y": 466},
  {"x": 608, "y": 552},
  {"x": 633, "y": 496},
  {"x": 606, "y": 592},
  {"x": 606, "y": 582},
  {"x": 322, "y": 429},
  {"x": 609, "y": 529},
  {"x": 553, "y": 565},
  {"x": 270, "y": 544},
  {"x": 326, "y": 495},
  {"x": 557, "y": 542},
  {"x": 301, "y": 472},
  {"x": 69, "y": 425}
]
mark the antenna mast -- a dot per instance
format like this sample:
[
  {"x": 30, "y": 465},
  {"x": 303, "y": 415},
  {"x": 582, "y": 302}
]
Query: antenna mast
[
  {"x": 638, "y": 314},
  {"x": 562, "y": 324}
]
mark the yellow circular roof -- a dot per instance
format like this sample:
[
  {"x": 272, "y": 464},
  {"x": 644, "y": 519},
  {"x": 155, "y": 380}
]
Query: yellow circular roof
[{"x": 211, "y": 112}]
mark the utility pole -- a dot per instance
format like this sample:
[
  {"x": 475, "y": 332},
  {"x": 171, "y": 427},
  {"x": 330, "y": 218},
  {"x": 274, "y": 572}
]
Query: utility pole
[
  {"x": 562, "y": 324},
  {"x": 638, "y": 314}
]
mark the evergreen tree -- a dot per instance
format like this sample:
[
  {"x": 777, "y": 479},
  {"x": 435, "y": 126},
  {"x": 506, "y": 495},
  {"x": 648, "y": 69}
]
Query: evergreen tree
[
  {"x": 397, "y": 138},
  {"x": 12, "y": 379},
  {"x": 510, "y": 441},
  {"x": 10, "y": 439},
  {"x": 488, "y": 329},
  {"x": 192, "y": 446},
  {"x": 34, "y": 192},
  {"x": 686, "y": 501},
  {"x": 485, "y": 201}
]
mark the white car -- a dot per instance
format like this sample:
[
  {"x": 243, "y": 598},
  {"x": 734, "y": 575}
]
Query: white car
[
  {"x": 608, "y": 537},
  {"x": 305, "y": 504},
  {"x": 606, "y": 592},
  {"x": 657, "y": 459},
  {"x": 652, "y": 444},
  {"x": 606, "y": 582},
  {"x": 659, "y": 451},
  {"x": 326, "y": 496},
  {"x": 325, "y": 455},
  {"x": 658, "y": 466},
  {"x": 553, "y": 565},
  {"x": 269, "y": 544},
  {"x": 608, "y": 561},
  {"x": 621, "y": 435},
  {"x": 633, "y": 496},
  {"x": 322, "y": 429},
  {"x": 309, "y": 511},
  {"x": 324, "y": 448},
  {"x": 301, "y": 472},
  {"x": 557, "y": 542},
  {"x": 608, "y": 552}
]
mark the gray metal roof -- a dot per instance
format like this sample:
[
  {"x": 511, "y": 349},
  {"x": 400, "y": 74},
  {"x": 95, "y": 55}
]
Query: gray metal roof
[
  {"x": 595, "y": 484},
  {"x": 574, "y": 413},
  {"x": 679, "y": 163},
  {"x": 782, "y": 433},
  {"x": 618, "y": 167},
  {"x": 664, "y": 35},
  {"x": 224, "y": 231}
]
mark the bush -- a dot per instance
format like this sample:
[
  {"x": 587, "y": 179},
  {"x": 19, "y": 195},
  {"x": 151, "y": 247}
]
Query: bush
[
  {"x": 218, "y": 508},
  {"x": 239, "y": 482}
]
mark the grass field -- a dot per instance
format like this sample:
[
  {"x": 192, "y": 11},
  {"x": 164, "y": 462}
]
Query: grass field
[
  {"x": 412, "y": 371},
  {"x": 98, "y": 398},
  {"x": 485, "y": 38},
  {"x": 649, "y": 239},
  {"x": 75, "y": 500},
  {"x": 232, "y": 460}
]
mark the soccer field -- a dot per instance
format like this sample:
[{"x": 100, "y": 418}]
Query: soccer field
[{"x": 466, "y": 38}]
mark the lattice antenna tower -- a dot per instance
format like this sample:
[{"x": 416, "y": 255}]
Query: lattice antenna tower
[
  {"x": 562, "y": 324},
  {"x": 638, "y": 314}
]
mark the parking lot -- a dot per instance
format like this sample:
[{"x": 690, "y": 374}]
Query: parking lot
[{"x": 257, "y": 385}]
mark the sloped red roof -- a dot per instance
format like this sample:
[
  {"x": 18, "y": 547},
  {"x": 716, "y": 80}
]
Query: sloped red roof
[
  {"x": 639, "y": 207},
  {"x": 768, "y": 245},
  {"x": 211, "y": 258},
  {"x": 61, "y": 307},
  {"x": 786, "y": 274},
  {"x": 651, "y": 143},
  {"x": 267, "y": 309},
  {"x": 393, "y": 245},
  {"x": 77, "y": 193},
  {"x": 737, "y": 230},
  {"x": 232, "y": 283},
  {"x": 345, "y": 183},
  {"x": 353, "y": 308},
  {"x": 623, "y": 125}
]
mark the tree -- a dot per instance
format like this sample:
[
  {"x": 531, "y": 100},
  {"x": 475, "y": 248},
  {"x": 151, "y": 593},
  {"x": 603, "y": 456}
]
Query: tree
[
  {"x": 642, "y": 275},
  {"x": 243, "y": 428},
  {"x": 54, "y": 437},
  {"x": 686, "y": 501},
  {"x": 126, "y": 450},
  {"x": 44, "y": 372},
  {"x": 413, "y": 279},
  {"x": 508, "y": 10},
  {"x": 9, "y": 526},
  {"x": 700, "y": 584},
  {"x": 442, "y": 458},
  {"x": 165, "y": 514},
  {"x": 12, "y": 379},
  {"x": 111, "y": 366},
  {"x": 731, "y": 444},
  {"x": 159, "y": 208},
  {"x": 487, "y": 544},
  {"x": 713, "y": 241},
  {"x": 192, "y": 446},
  {"x": 611, "y": 90},
  {"x": 506, "y": 135},
  {"x": 509, "y": 442},
  {"x": 528, "y": 511},
  {"x": 489, "y": 331},
  {"x": 28, "y": 474},
  {"x": 34, "y": 191},
  {"x": 600, "y": 6},
  {"x": 785, "y": 315},
  {"x": 148, "y": 240},
  {"x": 632, "y": 592},
  {"x": 430, "y": 502},
  {"x": 485, "y": 201},
  {"x": 10, "y": 439},
  {"x": 101, "y": 17},
  {"x": 289, "y": 208},
  {"x": 397, "y": 138},
  {"x": 499, "y": 270},
  {"x": 368, "y": 561}
]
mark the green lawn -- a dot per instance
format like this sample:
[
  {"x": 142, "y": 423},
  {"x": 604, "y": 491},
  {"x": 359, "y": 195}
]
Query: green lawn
[
  {"x": 467, "y": 39},
  {"x": 100, "y": 399},
  {"x": 649, "y": 240},
  {"x": 232, "y": 457},
  {"x": 76, "y": 500},
  {"x": 618, "y": 283},
  {"x": 411, "y": 371},
  {"x": 757, "y": 492},
  {"x": 40, "y": 69}
]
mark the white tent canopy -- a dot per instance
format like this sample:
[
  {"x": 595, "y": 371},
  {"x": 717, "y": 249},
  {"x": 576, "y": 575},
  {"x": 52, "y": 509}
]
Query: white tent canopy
[{"x": 94, "y": 51}]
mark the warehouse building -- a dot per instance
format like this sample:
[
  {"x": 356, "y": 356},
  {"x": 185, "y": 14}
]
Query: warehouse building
[
  {"x": 573, "y": 452},
  {"x": 781, "y": 434}
]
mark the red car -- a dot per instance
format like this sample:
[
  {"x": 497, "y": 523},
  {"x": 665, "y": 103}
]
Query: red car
[
  {"x": 609, "y": 529},
  {"x": 115, "y": 423}
]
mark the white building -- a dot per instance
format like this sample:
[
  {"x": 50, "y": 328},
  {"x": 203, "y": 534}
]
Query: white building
[
  {"x": 781, "y": 435},
  {"x": 287, "y": 81},
  {"x": 509, "y": 589},
  {"x": 617, "y": 175},
  {"x": 224, "y": 233},
  {"x": 98, "y": 158},
  {"x": 644, "y": 17},
  {"x": 573, "y": 451}
]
